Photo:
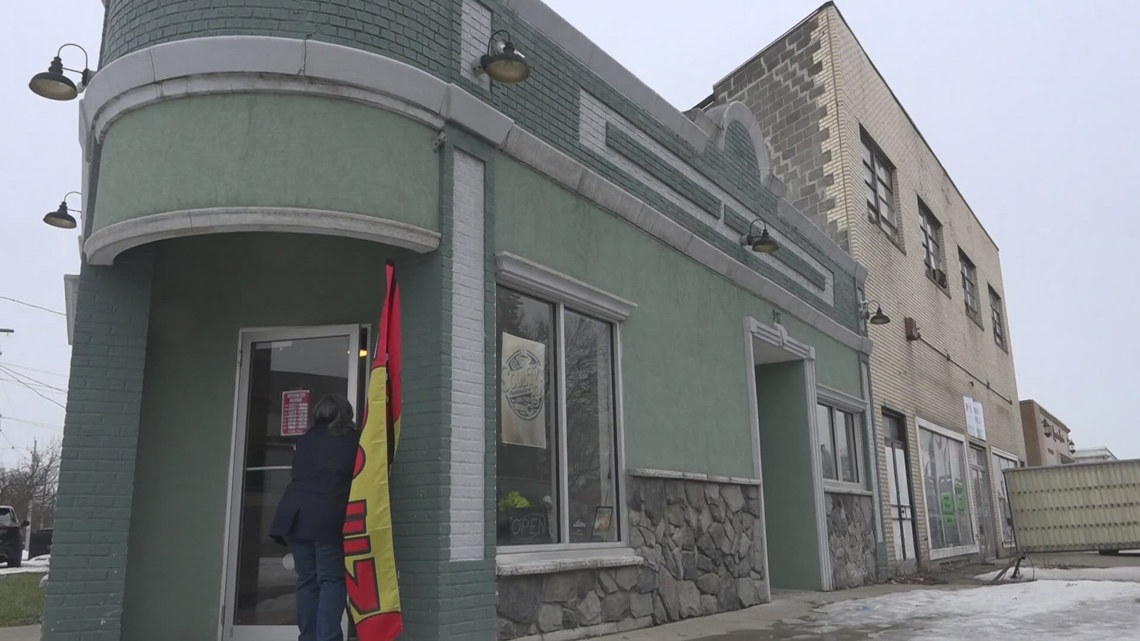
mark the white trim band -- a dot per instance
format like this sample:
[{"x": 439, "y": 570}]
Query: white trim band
[
  {"x": 528, "y": 277},
  {"x": 645, "y": 472},
  {"x": 105, "y": 244}
]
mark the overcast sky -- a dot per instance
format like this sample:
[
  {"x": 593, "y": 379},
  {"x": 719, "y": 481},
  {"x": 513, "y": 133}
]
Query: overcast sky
[{"x": 1031, "y": 105}]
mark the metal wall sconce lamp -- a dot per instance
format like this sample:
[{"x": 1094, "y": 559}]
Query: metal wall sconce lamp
[
  {"x": 878, "y": 318},
  {"x": 1072, "y": 447},
  {"x": 761, "y": 243},
  {"x": 61, "y": 217},
  {"x": 502, "y": 62},
  {"x": 1048, "y": 428},
  {"x": 53, "y": 85}
]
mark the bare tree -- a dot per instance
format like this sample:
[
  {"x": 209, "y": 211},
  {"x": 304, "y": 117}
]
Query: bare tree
[{"x": 30, "y": 487}]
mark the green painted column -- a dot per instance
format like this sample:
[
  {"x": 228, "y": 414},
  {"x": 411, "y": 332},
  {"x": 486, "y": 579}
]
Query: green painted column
[{"x": 96, "y": 479}]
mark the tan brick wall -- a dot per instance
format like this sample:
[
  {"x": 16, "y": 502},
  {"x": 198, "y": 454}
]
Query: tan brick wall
[
  {"x": 914, "y": 377},
  {"x": 925, "y": 379},
  {"x": 1041, "y": 449}
]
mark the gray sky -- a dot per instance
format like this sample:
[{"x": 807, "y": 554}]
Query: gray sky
[{"x": 1030, "y": 104}]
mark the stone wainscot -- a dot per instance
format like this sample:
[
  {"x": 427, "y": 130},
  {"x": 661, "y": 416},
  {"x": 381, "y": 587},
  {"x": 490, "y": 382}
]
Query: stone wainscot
[
  {"x": 696, "y": 547},
  {"x": 851, "y": 540}
]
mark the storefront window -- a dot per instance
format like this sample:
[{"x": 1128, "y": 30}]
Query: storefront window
[
  {"x": 947, "y": 495},
  {"x": 556, "y": 475},
  {"x": 839, "y": 444}
]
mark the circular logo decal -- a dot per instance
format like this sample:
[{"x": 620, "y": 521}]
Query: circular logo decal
[{"x": 524, "y": 383}]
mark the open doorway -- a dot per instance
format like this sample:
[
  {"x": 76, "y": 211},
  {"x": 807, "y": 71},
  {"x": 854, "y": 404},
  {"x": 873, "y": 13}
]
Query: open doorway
[{"x": 783, "y": 371}]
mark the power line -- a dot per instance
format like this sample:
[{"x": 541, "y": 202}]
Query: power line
[
  {"x": 9, "y": 440},
  {"x": 39, "y": 393},
  {"x": 38, "y": 371},
  {"x": 10, "y": 372},
  {"x": 32, "y": 423},
  {"x": 33, "y": 306}
]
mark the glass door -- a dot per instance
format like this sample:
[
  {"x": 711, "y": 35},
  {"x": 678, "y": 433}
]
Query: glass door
[
  {"x": 980, "y": 477},
  {"x": 898, "y": 480},
  {"x": 282, "y": 375}
]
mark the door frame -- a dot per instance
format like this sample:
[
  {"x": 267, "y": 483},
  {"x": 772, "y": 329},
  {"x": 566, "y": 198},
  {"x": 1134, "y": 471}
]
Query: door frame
[
  {"x": 246, "y": 338},
  {"x": 986, "y": 470},
  {"x": 890, "y": 443}
]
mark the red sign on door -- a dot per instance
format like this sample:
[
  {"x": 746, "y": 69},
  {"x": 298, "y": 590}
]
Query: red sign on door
[{"x": 294, "y": 412}]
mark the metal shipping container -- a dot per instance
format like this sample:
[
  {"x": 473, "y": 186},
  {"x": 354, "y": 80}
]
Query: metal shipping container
[{"x": 1078, "y": 507}]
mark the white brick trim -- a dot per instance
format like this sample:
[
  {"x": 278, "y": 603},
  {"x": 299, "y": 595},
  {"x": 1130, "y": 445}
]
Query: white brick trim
[
  {"x": 474, "y": 32},
  {"x": 468, "y": 360}
]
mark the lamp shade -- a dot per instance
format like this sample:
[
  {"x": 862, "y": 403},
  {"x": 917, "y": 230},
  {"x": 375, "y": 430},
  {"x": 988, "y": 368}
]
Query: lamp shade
[
  {"x": 508, "y": 66},
  {"x": 763, "y": 243},
  {"x": 879, "y": 318},
  {"x": 61, "y": 218},
  {"x": 52, "y": 84}
]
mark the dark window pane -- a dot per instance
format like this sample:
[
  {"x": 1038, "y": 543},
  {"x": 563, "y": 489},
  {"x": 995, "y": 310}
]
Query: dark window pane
[
  {"x": 826, "y": 441},
  {"x": 527, "y": 469},
  {"x": 590, "y": 441}
]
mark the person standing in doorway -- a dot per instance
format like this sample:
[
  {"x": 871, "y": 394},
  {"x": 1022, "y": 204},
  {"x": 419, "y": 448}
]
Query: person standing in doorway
[{"x": 310, "y": 517}]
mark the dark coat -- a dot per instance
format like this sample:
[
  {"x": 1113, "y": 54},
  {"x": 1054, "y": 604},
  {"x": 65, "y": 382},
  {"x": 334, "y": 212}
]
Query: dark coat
[{"x": 315, "y": 500}]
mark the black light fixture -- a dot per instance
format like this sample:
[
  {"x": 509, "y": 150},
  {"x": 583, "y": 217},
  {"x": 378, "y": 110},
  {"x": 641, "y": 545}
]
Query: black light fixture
[
  {"x": 1072, "y": 447},
  {"x": 1048, "y": 428},
  {"x": 53, "y": 85},
  {"x": 502, "y": 62},
  {"x": 62, "y": 217},
  {"x": 878, "y": 318},
  {"x": 761, "y": 243}
]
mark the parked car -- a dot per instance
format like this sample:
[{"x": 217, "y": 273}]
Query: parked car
[{"x": 11, "y": 537}]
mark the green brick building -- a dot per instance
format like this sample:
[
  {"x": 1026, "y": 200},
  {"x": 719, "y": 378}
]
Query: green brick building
[{"x": 617, "y": 414}]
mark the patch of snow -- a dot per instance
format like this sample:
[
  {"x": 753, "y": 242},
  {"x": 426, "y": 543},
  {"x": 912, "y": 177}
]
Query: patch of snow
[
  {"x": 38, "y": 564},
  {"x": 1072, "y": 574},
  {"x": 1086, "y": 610}
]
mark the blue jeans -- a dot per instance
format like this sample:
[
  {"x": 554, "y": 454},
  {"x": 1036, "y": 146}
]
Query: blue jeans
[{"x": 321, "y": 589}]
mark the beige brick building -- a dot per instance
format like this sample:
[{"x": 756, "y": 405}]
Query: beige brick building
[
  {"x": 856, "y": 164},
  {"x": 1048, "y": 441}
]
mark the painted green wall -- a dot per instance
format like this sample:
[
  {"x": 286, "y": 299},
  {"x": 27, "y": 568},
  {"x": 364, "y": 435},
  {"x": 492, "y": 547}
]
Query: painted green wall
[
  {"x": 238, "y": 150},
  {"x": 684, "y": 367},
  {"x": 204, "y": 290},
  {"x": 785, "y": 455}
]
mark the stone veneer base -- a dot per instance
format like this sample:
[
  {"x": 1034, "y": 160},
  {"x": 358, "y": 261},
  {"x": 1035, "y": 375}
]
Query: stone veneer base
[{"x": 703, "y": 551}]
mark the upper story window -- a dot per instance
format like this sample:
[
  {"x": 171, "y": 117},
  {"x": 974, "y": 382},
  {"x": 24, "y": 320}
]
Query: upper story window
[
  {"x": 879, "y": 185},
  {"x": 998, "y": 316},
  {"x": 931, "y": 244},
  {"x": 970, "y": 288}
]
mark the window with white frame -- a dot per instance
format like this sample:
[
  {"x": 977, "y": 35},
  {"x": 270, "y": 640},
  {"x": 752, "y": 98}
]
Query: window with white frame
[
  {"x": 557, "y": 465},
  {"x": 878, "y": 185},
  {"x": 946, "y": 486},
  {"x": 840, "y": 444},
  {"x": 931, "y": 243},
  {"x": 997, "y": 315},
  {"x": 970, "y": 287}
]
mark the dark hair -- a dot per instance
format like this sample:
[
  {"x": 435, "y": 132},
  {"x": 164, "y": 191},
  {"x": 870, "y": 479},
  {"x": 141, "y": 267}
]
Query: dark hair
[{"x": 335, "y": 412}]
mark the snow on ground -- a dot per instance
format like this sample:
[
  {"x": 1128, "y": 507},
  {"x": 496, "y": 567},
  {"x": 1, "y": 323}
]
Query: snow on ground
[
  {"x": 1071, "y": 574},
  {"x": 1085, "y": 610},
  {"x": 38, "y": 564}
]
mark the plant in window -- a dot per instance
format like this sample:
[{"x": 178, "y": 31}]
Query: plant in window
[{"x": 513, "y": 500}]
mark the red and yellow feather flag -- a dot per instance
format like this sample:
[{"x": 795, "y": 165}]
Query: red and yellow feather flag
[{"x": 369, "y": 558}]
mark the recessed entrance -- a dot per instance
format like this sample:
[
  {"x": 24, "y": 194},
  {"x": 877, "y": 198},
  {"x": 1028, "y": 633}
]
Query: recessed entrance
[
  {"x": 795, "y": 539},
  {"x": 282, "y": 373}
]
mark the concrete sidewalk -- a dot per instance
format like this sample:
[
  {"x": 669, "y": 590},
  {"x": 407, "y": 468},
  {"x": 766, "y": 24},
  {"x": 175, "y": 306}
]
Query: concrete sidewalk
[
  {"x": 20, "y": 633},
  {"x": 773, "y": 621},
  {"x": 761, "y": 622}
]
